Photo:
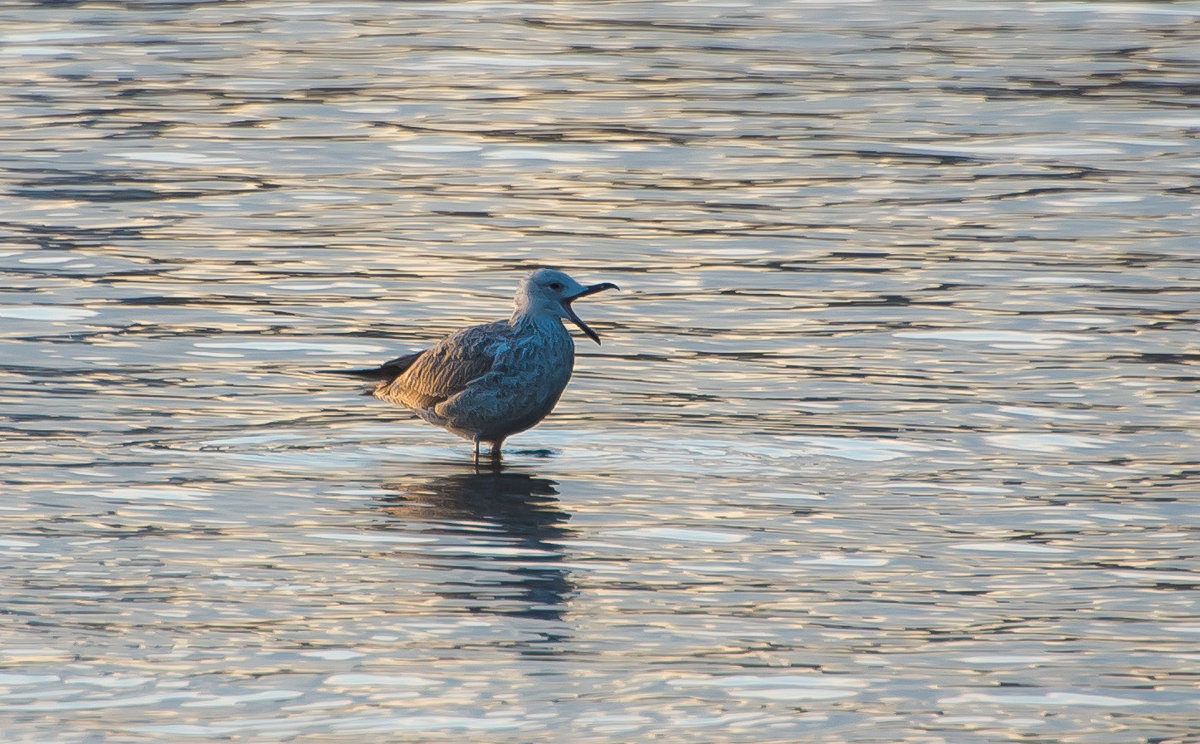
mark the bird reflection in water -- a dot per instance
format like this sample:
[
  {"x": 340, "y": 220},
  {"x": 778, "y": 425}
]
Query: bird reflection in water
[{"x": 509, "y": 527}]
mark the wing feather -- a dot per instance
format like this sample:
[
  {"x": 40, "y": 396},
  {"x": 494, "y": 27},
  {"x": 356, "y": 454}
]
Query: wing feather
[{"x": 448, "y": 368}]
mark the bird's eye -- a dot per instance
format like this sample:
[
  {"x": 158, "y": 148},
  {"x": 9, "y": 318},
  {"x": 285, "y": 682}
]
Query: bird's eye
[{"x": 555, "y": 286}]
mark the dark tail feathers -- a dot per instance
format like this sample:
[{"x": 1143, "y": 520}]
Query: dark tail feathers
[{"x": 387, "y": 371}]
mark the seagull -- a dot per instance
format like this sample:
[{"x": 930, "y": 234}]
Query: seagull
[{"x": 488, "y": 382}]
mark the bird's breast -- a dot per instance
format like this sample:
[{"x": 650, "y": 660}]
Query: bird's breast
[{"x": 541, "y": 350}]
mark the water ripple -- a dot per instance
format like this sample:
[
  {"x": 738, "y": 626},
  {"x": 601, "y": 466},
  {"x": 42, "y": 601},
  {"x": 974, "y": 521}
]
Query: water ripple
[{"x": 890, "y": 436}]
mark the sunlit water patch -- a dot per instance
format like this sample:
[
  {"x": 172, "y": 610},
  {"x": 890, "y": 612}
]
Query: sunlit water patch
[{"x": 891, "y": 435}]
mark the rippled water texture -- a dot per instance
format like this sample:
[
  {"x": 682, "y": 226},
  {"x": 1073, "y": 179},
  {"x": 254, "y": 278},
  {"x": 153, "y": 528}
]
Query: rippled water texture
[{"x": 892, "y": 437}]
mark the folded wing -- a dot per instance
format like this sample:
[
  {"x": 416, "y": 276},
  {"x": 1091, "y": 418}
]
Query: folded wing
[{"x": 434, "y": 375}]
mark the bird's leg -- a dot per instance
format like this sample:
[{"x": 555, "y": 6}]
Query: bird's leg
[
  {"x": 496, "y": 450},
  {"x": 476, "y": 449}
]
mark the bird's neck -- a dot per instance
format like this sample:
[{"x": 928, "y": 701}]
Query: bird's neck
[{"x": 531, "y": 319}]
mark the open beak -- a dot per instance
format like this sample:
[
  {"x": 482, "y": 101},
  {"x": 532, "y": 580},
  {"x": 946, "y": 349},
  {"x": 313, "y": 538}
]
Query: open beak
[{"x": 566, "y": 303}]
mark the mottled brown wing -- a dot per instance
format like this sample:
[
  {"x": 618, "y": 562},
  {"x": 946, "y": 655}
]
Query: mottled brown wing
[{"x": 445, "y": 370}]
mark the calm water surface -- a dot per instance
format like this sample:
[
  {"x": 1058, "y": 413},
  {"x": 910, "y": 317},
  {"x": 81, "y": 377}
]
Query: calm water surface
[{"x": 892, "y": 438}]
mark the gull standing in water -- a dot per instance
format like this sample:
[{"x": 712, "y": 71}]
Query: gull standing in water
[{"x": 488, "y": 382}]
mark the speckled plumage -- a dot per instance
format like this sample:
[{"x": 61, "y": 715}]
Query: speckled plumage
[{"x": 488, "y": 382}]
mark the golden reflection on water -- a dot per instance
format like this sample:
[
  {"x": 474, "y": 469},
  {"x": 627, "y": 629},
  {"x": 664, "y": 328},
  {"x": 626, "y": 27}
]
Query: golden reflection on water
[{"x": 890, "y": 436}]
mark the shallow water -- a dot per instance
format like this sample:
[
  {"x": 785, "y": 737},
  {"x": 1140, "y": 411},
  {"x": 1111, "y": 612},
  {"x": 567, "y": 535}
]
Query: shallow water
[{"x": 892, "y": 436}]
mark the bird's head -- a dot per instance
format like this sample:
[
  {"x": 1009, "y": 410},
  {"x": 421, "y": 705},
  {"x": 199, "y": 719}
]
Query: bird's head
[{"x": 551, "y": 292}]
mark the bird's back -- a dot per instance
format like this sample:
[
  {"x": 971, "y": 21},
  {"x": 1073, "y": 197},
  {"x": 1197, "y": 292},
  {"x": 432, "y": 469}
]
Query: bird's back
[
  {"x": 487, "y": 381},
  {"x": 446, "y": 369}
]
